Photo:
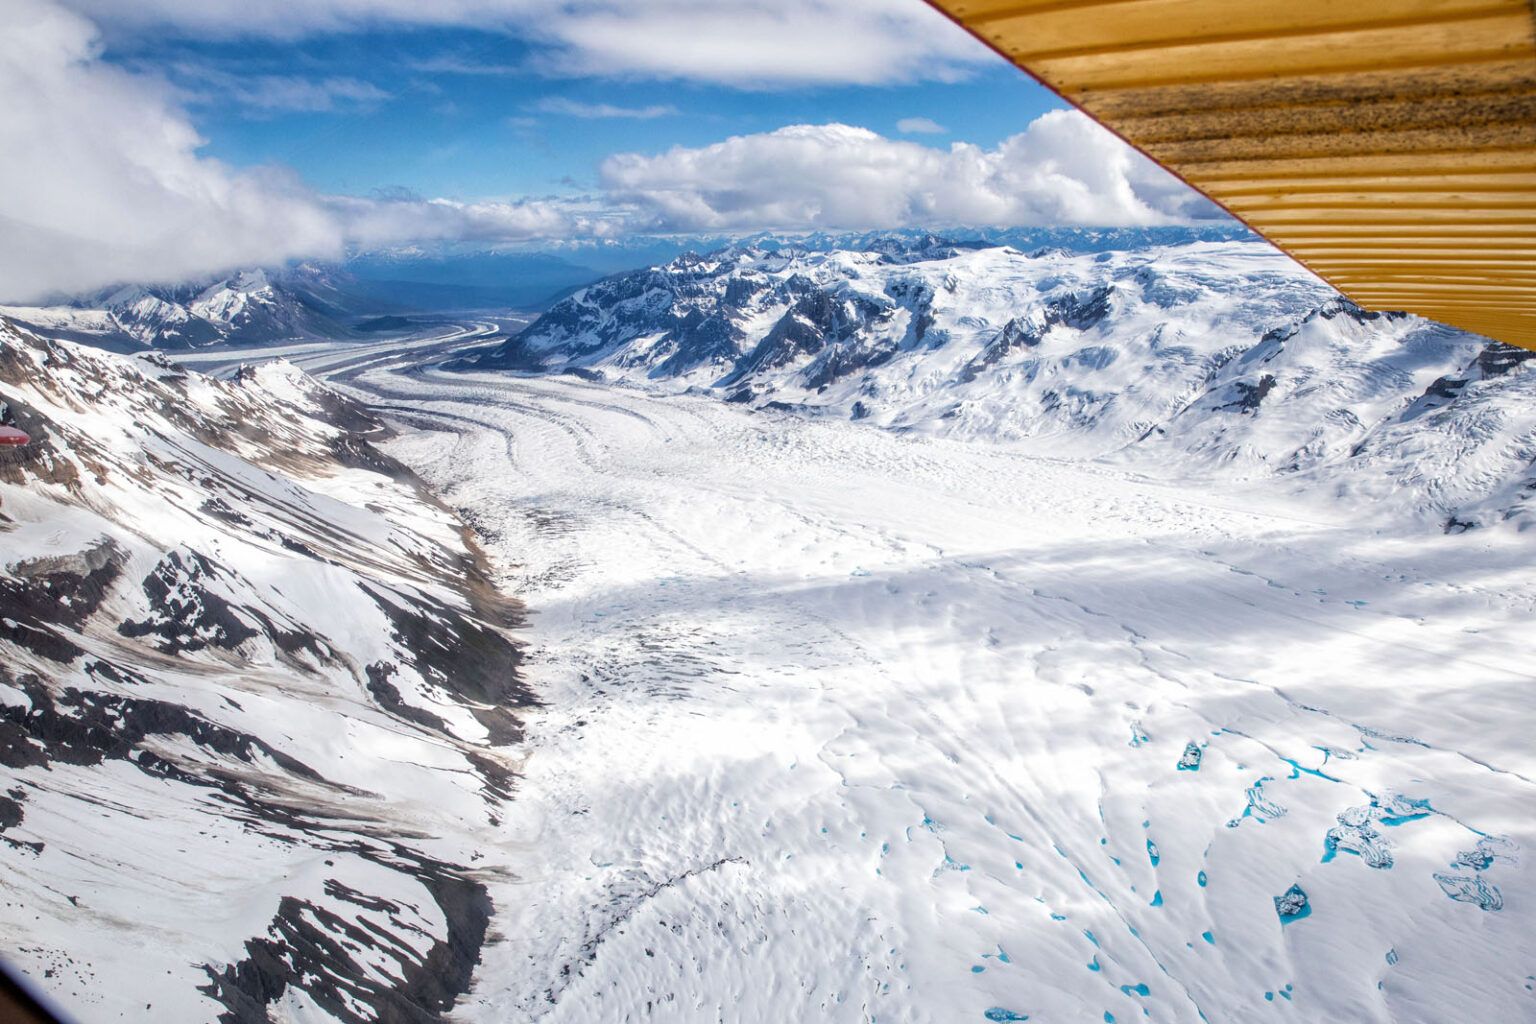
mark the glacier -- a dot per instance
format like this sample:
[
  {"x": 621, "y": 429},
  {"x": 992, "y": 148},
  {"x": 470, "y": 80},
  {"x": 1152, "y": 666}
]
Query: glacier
[
  {"x": 851, "y": 724},
  {"x": 1050, "y": 665}
]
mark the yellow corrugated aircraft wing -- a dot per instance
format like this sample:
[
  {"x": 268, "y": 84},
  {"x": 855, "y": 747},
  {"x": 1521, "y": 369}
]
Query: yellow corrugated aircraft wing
[{"x": 1388, "y": 145}]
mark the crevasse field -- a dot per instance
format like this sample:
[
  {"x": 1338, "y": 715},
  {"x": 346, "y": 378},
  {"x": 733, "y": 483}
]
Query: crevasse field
[{"x": 841, "y": 724}]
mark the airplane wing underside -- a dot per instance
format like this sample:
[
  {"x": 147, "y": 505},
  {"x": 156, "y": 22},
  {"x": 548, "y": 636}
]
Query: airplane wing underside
[{"x": 1389, "y": 146}]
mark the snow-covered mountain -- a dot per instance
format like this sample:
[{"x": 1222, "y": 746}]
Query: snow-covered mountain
[
  {"x": 455, "y": 275},
  {"x": 1067, "y": 239},
  {"x": 256, "y": 698},
  {"x": 1222, "y": 355},
  {"x": 1011, "y": 735},
  {"x": 251, "y": 306}
]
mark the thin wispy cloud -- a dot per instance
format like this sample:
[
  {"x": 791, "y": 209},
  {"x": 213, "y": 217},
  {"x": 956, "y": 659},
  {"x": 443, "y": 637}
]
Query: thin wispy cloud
[
  {"x": 749, "y": 43},
  {"x": 565, "y": 107},
  {"x": 759, "y": 43},
  {"x": 920, "y": 126},
  {"x": 275, "y": 93},
  {"x": 449, "y": 64}
]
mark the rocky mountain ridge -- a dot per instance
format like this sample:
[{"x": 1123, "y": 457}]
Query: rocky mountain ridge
[
  {"x": 1223, "y": 357},
  {"x": 251, "y": 649},
  {"x": 248, "y": 307}
]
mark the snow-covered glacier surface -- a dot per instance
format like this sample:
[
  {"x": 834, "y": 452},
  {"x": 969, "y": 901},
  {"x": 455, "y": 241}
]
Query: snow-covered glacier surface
[
  {"x": 850, "y": 724},
  {"x": 925, "y": 633}
]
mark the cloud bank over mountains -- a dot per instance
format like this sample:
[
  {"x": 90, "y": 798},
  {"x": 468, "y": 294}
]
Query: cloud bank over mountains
[
  {"x": 1062, "y": 169},
  {"x": 104, "y": 181}
]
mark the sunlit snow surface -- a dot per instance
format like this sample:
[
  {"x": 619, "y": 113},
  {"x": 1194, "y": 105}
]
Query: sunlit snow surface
[{"x": 847, "y": 725}]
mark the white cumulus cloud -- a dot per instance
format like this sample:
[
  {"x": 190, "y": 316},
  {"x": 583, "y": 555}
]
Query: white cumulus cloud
[
  {"x": 101, "y": 181},
  {"x": 1062, "y": 169}
]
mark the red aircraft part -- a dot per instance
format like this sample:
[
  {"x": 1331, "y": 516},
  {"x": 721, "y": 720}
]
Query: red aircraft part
[{"x": 10, "y": 435}]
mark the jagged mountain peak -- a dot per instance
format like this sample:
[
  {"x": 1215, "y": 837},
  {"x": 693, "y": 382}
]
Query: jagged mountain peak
[{"x": 251, "y": 305}]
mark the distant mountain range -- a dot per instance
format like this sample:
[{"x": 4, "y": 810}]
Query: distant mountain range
[
  {"x": 248, "y": 307},
  {"x": 455, "y": 277},
  {"x": 1121, "y": 343},
  {"x": 256, "y": 306},
  {"x": 1218, "y": 354}
]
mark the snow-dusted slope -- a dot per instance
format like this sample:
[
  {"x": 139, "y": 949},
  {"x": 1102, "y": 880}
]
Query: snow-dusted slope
[
  {"x": 150, "y": 319},
  {"x": 1221, "y": 357},
  {"x": 256, "y": 700}
]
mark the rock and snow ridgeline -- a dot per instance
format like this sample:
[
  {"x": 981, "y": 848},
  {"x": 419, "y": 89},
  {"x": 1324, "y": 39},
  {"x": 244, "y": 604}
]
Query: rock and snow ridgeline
[
  {"x": 251, "y": 306},
  {"x": 256, "y": 699},
  {"x": 1222, "y": 356}
]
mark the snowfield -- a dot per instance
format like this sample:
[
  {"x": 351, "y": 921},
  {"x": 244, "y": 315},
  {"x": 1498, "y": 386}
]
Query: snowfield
[
  {"x": 846, "y": 724},
  {"x": 921, "y": 634}
]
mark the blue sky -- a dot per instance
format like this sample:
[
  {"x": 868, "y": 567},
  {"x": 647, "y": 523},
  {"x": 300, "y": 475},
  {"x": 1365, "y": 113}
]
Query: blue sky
[
  {"x": 459, "y": 112},
  {"x": 162, "y": 140}
]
